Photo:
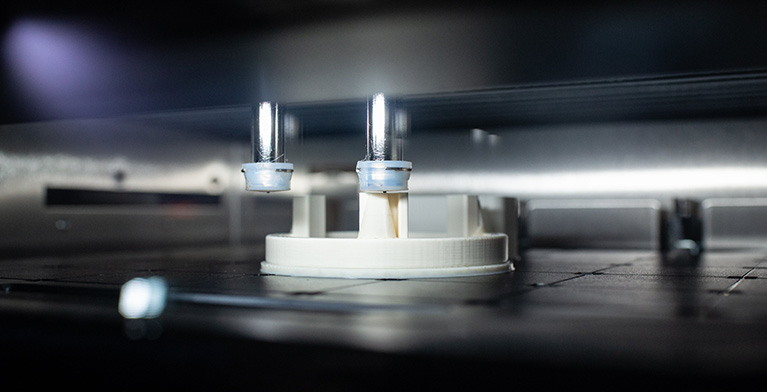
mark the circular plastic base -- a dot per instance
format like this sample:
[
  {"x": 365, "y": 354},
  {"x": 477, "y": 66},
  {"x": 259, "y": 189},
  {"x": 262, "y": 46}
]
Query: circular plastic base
[{"x": 342, "y": 255}]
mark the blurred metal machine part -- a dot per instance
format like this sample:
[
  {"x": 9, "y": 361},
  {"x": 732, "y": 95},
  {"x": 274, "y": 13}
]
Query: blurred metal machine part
[{"x": 155, "y": 179}]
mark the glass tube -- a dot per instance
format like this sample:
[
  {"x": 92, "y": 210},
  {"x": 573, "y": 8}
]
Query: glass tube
[
  {"x": 385, "y": 129},
  {"x": 267, "y": 134}
]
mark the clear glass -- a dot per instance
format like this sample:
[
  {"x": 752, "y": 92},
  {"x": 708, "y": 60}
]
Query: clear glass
[
  {"x": 267, "y": 133},
  {"x": 386, "y": 129}
]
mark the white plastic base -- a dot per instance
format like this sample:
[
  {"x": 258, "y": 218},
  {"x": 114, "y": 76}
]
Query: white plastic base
[
  {"x": 384, "y": 248},
  {"x": 342, "y": 255}
]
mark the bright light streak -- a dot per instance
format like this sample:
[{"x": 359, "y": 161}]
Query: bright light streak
[
  {"x": 377, "y": 137},
  {"x": 676, "y": 180},
  {"x": 652, "y": 180},
  {"x": 265, "y": 132}
]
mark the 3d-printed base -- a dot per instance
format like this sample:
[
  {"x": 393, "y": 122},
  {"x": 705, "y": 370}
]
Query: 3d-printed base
[{"x": 423, "y": 255}]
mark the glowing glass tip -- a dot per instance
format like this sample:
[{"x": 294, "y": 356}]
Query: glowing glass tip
[{"x": 143, "y": 298}]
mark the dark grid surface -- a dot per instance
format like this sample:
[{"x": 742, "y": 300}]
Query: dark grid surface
[{"x": 629, "y": 317}]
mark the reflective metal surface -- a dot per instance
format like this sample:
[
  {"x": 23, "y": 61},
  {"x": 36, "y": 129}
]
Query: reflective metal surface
[
  {"x": 596, "y": 223},
  {"x": 734, "y": 223},
  {"x": 611, "y": 315},
  {"x": 105, "y": 184},
  {"x": 166, "y": 178}
]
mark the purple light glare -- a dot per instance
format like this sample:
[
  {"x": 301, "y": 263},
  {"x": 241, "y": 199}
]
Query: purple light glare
[{"x": 55, "y": 64}]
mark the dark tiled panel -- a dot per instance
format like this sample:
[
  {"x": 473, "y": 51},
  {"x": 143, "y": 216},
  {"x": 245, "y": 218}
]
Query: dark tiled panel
[{"x": 634, "y": 313}]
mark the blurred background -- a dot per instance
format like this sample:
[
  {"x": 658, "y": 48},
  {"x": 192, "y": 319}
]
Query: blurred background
[
  {"x": 92, "y": 60},
  {"x": 126, "y": 125},
  {"x": 628, "y": 137}
]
